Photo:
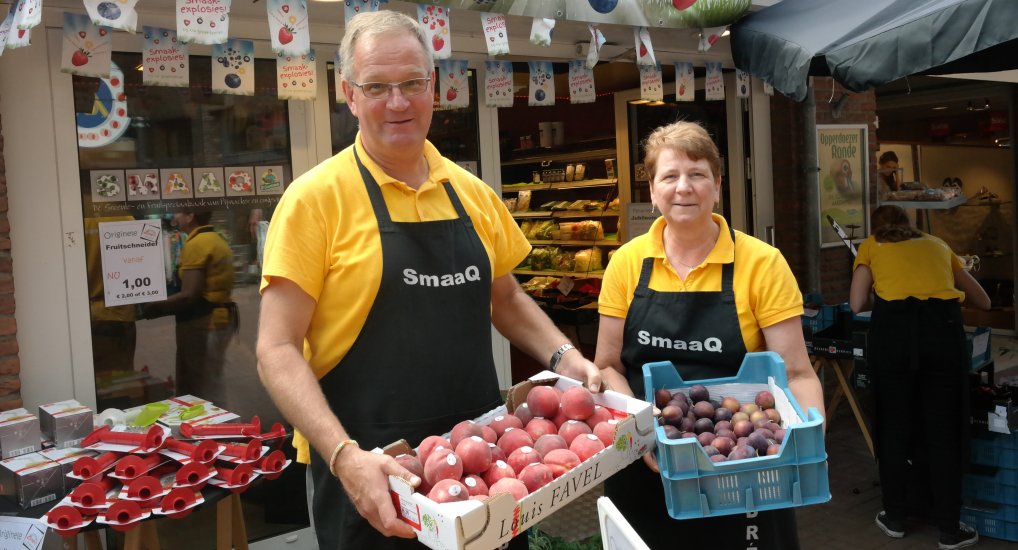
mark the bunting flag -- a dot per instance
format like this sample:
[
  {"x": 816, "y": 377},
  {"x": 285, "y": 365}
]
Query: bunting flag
[
  {"x": 709, "y": 36},
  {"x": 644, "y": 49},
  {"x": 685, "y": 82},
  {"x": 741, "y": 84},
  {"x": 542, "y": 84},
  {"x": 203, "y": 21},
  {"x": 540, "y": 31},
  {"x": 117, "y": 14},
  {"x": 296, "y": 76},
  {"x": 454, "y": 89},
  {"x": 337, "y": 73},
  {"x": 17, "y": 38},
  {"x": 498, "y": 83},
  {"x": 581, "y": 82},
  {"x": 87, "y": 49},
  {"x": 164, "y": 60},
  {"x": 288, "y": 27},
  {"x": 233, "y": 67},
  {"x": 496, "y": 33},
  {"x": 715, "y": 83},
  {"x": 594, "y": 50},
  {"x": 29, "y": 14},
  {"x": 354, "y": 7},
  {"x": 768, "y": 89},
  {"x": 435, "y": 20},
  {"x": 651, "y": 83},
  {"x": 5, "y": 27}
]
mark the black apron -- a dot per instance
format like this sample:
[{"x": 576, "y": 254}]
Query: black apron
[
  {"x": 421, "y": 363},
  {"x": 636, "y": 490}
]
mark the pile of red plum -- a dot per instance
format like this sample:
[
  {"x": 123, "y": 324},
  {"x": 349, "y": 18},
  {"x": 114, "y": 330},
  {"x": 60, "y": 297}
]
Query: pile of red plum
[
  {"x": 516, "y": 453},
  {"x": 727, "y": 430}
]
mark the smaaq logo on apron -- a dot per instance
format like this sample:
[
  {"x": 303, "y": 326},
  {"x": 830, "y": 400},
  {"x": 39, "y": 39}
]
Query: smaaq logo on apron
[
  {"x": 711, "y": 344},
  {"x": 412, "y": 278},
  {"x": 108, "y": 119}
]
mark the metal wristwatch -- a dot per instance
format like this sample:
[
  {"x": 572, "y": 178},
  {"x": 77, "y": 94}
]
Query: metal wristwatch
[{"x": 557, "y": 356}]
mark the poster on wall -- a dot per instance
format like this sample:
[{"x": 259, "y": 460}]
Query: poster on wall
[
  {"x": 203, "y": 21},
  {"x": 133, "y": 263},
  {"x": 842, "y": 155},
  {"x": 296, "y": 75},
  {"x": 86, "y": 48},
  {"x": 233, "y": 67},
  {"x": 164, "y": 60},
  {"x": 498, "y": 83}
]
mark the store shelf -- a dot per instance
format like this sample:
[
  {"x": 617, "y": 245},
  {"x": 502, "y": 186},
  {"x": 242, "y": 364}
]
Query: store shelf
[
  {"x": 577, "y": 156},
  {"x": 573, "y": 274},
  {"x": 558, "y": 185},
  {"x": 988, "y": 203},
  {"x": 568, "y": 214},
  {"x": 561, "y": 242},
  {"x": 929, "y": 205}
]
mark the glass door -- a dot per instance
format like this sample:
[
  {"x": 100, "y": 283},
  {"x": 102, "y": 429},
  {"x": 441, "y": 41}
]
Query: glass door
[{"x": 186, "y": 161}]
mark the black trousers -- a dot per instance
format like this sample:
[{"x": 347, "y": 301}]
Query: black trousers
[{"x": 918, "y": 353}]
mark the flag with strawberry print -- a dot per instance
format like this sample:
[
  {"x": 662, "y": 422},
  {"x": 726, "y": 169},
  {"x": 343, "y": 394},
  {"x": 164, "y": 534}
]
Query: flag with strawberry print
[
  {"x": 498, "y": 83},
  {"x": 435, "y": 20},
  {"x": 454, "y": 84},
  {"x": 337, "y": 73},
  {"x": 29, "y": 14},
  {"x": 233, "y": 67},
  {"x": 288, "y": 26},
  {"x": 116, "y": 14},
  {"x": 86, "y": 48},
  {"x": 581, "y": 82},
  {"x": 768, "y": 89},
  {"x": 685, "y": 82},
  {"x": 597, "y": 40},
  {"x": 297, "y": 76},
  {"x": 164, "y": 60},
  {"x": 741, "y": 84},
  {"x": 496, "y": 33},
  {"x": 203, "y": 21},
  {"x": 542, "y": 84},
  {"x": 709, "y": 36},
  {"x": 651, "y": 83},
  {"x": 541, "y": 30},
  {"x": 644, "y": 49},
  {"x": 5, "y": 27},
  {"x": 714, "y": 83},
  {"x": 354, "y": 7},
  {"x": 17, "y": 38}
]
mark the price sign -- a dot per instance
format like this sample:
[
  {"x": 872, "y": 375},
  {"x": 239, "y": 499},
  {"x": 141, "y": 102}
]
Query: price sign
[
  {"x": 21, "y": 533},
  {"x": 132, "y": 261}
]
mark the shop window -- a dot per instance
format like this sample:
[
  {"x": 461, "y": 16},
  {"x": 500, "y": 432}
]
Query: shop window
[{"x": 161, "y": 154}]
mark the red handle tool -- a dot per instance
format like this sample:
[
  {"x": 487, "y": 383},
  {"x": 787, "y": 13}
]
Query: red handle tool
[
  {"x": 87, "y": 466},
  {"x": 236, "y": 430}
]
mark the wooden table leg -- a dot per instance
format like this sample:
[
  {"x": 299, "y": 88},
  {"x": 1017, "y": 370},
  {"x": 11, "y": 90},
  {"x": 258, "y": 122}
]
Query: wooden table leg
[
  {"x": 132, "y": 539},
  {"x": 850, "y": 397},
  {"x": 149, "y": 535},
  {"x": 239, "y": 529},
  {"x": 93, "y": 541},
  {"x": 224, "y": 528}
]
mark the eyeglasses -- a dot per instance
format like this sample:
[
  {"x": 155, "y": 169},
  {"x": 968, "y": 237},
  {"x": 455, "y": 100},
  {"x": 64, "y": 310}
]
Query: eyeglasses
[{"x": 381, "y": 90}]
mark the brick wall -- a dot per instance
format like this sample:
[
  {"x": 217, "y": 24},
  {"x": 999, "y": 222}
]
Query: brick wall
[
  {"x": 10, "y": 365},
  {"x": 790, "y": 180}
]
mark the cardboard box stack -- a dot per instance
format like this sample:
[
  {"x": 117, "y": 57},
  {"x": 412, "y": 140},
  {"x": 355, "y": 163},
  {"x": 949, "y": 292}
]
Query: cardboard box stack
[
  {"x": 65, "y": 423},
  {"x": 31, "y": 479},
  {"x": 19, "y": 433}
]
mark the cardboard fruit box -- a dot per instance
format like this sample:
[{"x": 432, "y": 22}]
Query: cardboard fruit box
[
  {"x": 696, "y": 487},
  {"x": 476, "y": 525}
]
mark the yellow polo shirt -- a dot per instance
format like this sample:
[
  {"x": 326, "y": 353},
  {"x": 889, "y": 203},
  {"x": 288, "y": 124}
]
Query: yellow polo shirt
[
  {"x": 922, "y": 267},
  {"x": 324, "y": 237},
  {"x": 766, "y": 292}
]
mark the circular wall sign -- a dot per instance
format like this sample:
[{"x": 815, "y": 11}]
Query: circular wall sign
[{"x": 108, "y": 118}]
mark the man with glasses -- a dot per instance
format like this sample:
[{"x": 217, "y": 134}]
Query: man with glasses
[{"x": 385, "y": 267}]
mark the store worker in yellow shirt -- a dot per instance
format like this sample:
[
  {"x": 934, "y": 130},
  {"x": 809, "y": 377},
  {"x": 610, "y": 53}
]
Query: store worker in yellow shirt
[
  {"x": 384, "y": 269},
  {"x": 693, "y": 278},
  {"x": 206, "y": 318},
  {"x": 916, "y": 348}
]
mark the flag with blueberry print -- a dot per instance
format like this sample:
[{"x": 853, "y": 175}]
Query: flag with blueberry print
[
  {"x": 116, "y": 14},
  {"x": 233, "y": 67},
  {"x": 542, "y": 84}
]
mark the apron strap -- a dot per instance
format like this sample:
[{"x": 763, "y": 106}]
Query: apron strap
[
  {"x": 727, "y": 277},
  {"x": 643, "y": 287},
  {"x": 375, "y": 194},
  {"x": 455, "y": 200}
]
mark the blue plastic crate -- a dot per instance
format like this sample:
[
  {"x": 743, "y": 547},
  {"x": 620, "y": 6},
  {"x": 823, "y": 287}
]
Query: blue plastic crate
[
  {"x": 994, "y": 511},
  {"x": 987, "y": 525},
  {"x": 999, "y": 485},
  {"x": 998, "y": 451},
  {"x": 695, "y": 487}
]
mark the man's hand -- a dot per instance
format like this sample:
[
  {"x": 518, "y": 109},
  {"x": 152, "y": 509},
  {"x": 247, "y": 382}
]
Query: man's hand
[
  {"x": 365, "y": 477},
  {"x": 574, "y": 365}
]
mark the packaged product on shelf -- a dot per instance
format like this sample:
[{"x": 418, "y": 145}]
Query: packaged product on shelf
[
  {"x": 584, "y": 230},
  {"x": 594, "y": 206},
  {"x": 538, "y": 284},
  {"x": 522, "y": 201},
  {"x": 543, "y": 258},
  {"x": 588, "y": 259},
  {"x": 614, "y": 204},
  {"x": 548, "y": 205},
  {"x": 561, "y": 205},
  {"x": 563, "y": 261},
  {"x": 543, "y": 230},
  {"x": 578, "y": 205},
  {"x": 510, "y": 204},
  {"x": 526, "y": 227}
]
